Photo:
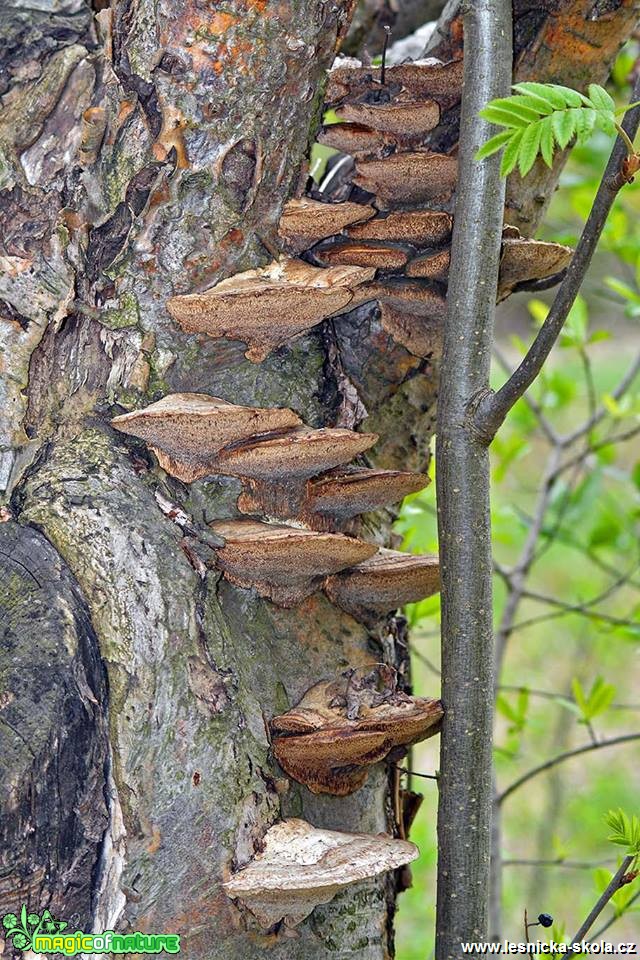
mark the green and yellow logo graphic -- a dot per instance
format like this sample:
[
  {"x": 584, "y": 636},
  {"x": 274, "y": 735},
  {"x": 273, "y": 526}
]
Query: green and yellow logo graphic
[{"x": 44, "y": 934}]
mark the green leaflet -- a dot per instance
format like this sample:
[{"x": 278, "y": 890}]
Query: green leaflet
[{"x": 540, "y": 118}]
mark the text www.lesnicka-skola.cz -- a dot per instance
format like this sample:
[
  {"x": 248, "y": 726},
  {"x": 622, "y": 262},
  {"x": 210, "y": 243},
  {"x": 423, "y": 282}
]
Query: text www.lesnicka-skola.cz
[{"x": 553, "y": 947}]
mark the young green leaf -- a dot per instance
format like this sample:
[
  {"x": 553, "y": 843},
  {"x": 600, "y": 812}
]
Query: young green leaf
[
  {"x": 600, "y": 98},
  {"x": 494, "y": 144},
  {"x": 529, "y": 145},
  {"x": 510, "y": 155}
]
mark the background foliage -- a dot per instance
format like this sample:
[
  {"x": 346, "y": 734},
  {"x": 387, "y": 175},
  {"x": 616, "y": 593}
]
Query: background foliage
[{"x": 571, "y": 667}]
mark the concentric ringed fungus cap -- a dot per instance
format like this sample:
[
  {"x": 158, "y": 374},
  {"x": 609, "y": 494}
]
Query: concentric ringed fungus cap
[
  {"x": 268, "y": 307},
  {"x": 408, "y": 177},
  {"x": 186, "y": 431},
  {"x": 284, "y": 564},
  {"x": 525, "y": 260},
  {"x": 385, "y": 581},
  {"x": 340, "y": 728},
  {"x": 301, "y": 867}
]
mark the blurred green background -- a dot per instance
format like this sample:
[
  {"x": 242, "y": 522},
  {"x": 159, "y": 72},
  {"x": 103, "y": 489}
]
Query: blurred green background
[{"x": 589, "y": 546}]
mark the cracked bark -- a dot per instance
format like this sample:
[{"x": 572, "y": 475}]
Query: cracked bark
[{"x": 144, "y": 153}]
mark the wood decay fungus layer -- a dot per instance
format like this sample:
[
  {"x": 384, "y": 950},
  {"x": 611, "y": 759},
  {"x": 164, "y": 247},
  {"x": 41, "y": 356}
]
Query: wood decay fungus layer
[
  {"x": 387, "y": 241},
  {"x": 340, "y": 728}
]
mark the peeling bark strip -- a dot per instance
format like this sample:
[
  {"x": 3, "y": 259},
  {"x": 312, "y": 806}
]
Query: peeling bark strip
[{"x": 147, "y": 154}]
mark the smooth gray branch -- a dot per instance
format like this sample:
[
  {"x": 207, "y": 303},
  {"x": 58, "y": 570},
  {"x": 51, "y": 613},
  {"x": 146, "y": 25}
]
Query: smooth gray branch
[{"x": 617, "y": 881}]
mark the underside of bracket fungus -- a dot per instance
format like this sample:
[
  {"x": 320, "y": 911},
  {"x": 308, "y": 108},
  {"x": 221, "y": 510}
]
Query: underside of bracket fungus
[
  {"x": 187, "y": 431},
  {"x": 305, "y": 222},
  {"x": 422, "y": 228},
  {"x": 300, "y": 867},
  {"x": 267, "y": 307},
  {"x": 353, "y": 490},
  {"x": 284, "y": 564},
  {"x": 385, "y": 582},
  {"x": 341, "y": 727}
]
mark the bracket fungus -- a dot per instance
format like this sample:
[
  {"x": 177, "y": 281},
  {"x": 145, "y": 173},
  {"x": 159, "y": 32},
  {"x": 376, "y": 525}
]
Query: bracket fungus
[
  {"x": 362, "y": 254},
  {"x": 421, "y": 228},
  {"x": 408, "y": 177},
  {"x": 420, "y": 80},
  {"x": 284, "y": 564},
  {"x": 305, "y": 222},
  {"x": 298, "y": 453},
  {"x": 431, "y": 266},
  {"x": 408, "y": 120},
  {"x": 301, "y": 866},
  {"x": 352, "y": 490},
  {"x": 186, "y": 431},
  {"x": 385, "y": 582},
  {"x": 524, "y": 260},
  {"x": 341, "y": 727},
  {"x": 267, "y": 307}
]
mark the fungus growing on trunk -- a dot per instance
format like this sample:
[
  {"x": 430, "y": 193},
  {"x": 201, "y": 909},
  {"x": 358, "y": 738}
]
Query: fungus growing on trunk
[
  {"x": 186, "y": 431},
  {"x": 408, "y": 177},
  {"x": 415, "y": 81},
  {"x": 384, "y": 582},
  {"x": 341, "y": 727},
  {"x": 411, "y": 312},
  {"x": 270, "y": 306},
  {"x": 525, "y": 260},
  {"x": 284, "y": 564},
  {"x": 430, "y": 266},
  {"x": 348, "y": 492},
  {"x": 298, "y": 453},
  {"x": 421, "y": 228},
  {"x": 406, "y": 120},
  {"x": 305, "y": 222},
  {"x": 300, "y": 867},
  {"x": 361, "y": 254},
  {"x": 357, "y": 139}
]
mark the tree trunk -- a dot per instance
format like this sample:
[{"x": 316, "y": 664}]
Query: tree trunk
[{"x": 146, "y": 152}]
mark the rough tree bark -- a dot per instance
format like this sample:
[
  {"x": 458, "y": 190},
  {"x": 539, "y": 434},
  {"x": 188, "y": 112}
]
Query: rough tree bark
[{"x": 146, "y": 150}]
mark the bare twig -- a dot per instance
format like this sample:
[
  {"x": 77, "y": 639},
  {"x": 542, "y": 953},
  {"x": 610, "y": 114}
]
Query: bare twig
[
  {"x": 616, "y": 882},
  {"x": 560, "y": 758},
  {"x": 602, "y": 412},
  {"x": 610, "y": 922},
  {"x": 492, "y": 408}
]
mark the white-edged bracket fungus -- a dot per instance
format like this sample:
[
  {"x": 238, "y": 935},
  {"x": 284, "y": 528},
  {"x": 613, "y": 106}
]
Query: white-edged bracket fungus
[
  {"x": 186, "y": 431},
  {"x": 270, "y": 306},
  {"x": 284, "y": 564},
  {"x": 385, "y": 581},
  {"x": 340, "y": 728},
  {"x": 301, "y": 866}
]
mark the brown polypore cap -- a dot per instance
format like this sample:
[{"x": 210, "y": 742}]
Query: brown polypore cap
[
  {"x": 431, "y": 266},
  {"x": 356, "y": 139},
  {"x": 419, "y": 227},
  {"x": 283, "y": 563},
  {"x": 524, "y": 260},
  {"x": 410, "y": 81},
  {"x": 304, "y": 221},
  {"x": 187, "y": 430},
  {"x": 408, "y": 177},
  {"x": 403, "y": 119},
  {"x": 386, "y": 581},
  {"x": 300, "y": 867},
  {"x": 342, "y": 727},
  {"x": 267, "y": 307},
  {"x": 362, "y": 254},
  {"x": 347, "y": 492},
  {"x": 298, "y": 453}
]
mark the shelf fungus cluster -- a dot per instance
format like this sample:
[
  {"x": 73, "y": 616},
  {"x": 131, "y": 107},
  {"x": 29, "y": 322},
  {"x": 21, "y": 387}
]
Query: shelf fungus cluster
[
  {"x": 301, "y": 477},
  {"x": 340, "y": 728},
  {"x": 386, "y": 241},
  {"x": 301, "y": 866}
]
